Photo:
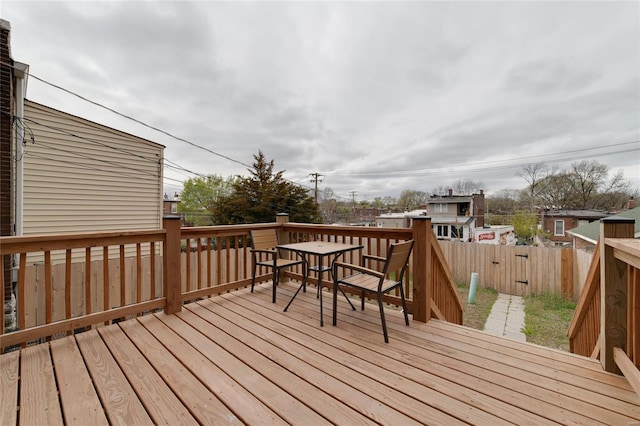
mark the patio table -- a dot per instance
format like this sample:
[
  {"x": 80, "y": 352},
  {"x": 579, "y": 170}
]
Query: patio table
[{"x": 322, "y": 250}]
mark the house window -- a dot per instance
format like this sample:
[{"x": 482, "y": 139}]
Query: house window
[
  {"x": 457, "y": 232},
  {"x": 440, "y": 208},
  {"x": 559, "y": 228},
  {"x": 174, "y": 208},
  {"x": 442, "y": 231}
]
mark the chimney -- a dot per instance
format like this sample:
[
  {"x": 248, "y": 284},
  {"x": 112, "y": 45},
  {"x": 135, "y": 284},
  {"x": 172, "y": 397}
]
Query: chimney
[
  {"x": 450, "y": 192},
  {"x": 631, "y": 204}
]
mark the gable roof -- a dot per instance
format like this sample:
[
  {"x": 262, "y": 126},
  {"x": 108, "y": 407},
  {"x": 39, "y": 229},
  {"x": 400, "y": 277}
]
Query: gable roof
[{"x": 591, "y": 231}]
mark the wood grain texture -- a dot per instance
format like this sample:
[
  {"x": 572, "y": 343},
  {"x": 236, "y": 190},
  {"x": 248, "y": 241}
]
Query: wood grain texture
[
  {"x": 80, "y": 402},
  {"x": 119, "y": 400},
  {"x": 38, "y": 394}
]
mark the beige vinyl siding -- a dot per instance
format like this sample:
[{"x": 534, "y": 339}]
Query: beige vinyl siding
[{"x": 80, "y": 176}]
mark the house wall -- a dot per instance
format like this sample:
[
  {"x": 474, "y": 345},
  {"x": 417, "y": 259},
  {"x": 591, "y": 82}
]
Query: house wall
[
  {"x": 391, "y": 222},
  {"x": 549, "y": 226},
  {"x": 80, "y": 176}
]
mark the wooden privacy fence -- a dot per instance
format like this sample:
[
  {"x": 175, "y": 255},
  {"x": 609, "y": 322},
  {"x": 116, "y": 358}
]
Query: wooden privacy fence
[{"x": 515, "y": 270}]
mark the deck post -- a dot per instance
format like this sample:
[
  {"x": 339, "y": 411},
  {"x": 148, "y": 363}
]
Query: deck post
[
  {"x": 171, "y": 276},
  {"x": 281, "y": 219},
  {"x": 422, "y": 253},
  {"x": 613, "y": 292}
]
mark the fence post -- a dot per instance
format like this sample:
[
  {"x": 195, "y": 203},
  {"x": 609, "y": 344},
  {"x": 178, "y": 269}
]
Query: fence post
[
  {"x": 566, "y": 273},
  {"x": 422, "y": 254},
  {"x": 613, "y": 292},
  {"x": 171, "y": 276}
]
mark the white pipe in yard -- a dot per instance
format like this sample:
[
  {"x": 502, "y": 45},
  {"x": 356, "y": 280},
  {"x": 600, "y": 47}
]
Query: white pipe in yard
[{"x": 473, "y": 287}]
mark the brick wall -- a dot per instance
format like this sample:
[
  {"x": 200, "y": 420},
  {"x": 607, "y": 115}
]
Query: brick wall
[{"x": 6, "y": 109}]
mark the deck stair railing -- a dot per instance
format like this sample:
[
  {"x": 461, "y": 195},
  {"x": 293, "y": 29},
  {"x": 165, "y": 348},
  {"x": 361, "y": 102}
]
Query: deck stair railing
[
  {"x": 606, "y": 324},
  {"x": 72, "y": 282}
]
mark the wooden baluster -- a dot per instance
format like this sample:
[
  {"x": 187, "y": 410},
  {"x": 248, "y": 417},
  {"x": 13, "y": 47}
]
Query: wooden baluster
[
  {"x": 152, "y": 267},
  {"x": 138, "y": 272},
  {"x": 87, "y": 281},
  {"x": 67, "y": 286},
  {"x": 48, "y": 288},
  {"x": 105, "y": 280}
]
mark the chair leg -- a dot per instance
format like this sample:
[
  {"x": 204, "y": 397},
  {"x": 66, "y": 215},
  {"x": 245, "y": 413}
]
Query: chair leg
[
  {"x": 384, "y": 323},
  {"x": 304, "y": 277},
  {"x": 275, "y": 284},
  {"x": 253, "y": 278},
  {"x": 362, "y": 299},
  {"x": 335, "y": 302},
  {"x": 404, "y": 306}
]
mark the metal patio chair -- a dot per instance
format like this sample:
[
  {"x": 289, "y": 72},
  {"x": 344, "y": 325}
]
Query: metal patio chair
[
  {"x": 369, "y": 280},
  {"x": 265, "y": 253}
]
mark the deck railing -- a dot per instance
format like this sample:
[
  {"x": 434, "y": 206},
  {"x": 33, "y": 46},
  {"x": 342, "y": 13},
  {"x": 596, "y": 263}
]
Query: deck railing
[
  {"x": 67, "y": 283},
  {"x": 584, "y": 330},
  {"x": 612, "y": 294},
  {"x": 72, "y": 281}
]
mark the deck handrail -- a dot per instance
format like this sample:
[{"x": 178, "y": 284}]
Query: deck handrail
[
  {"x": 74, "y": 288},
  {"x": 610, "y": 331},
  {"x": 584, "y": 330},
  {"x": 103, "y": 256}
]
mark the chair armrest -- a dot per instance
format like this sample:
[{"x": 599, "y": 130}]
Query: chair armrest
[
  {"x": 268, "y": 251},
  {"x": 372, "y": 257},
  {"x": 357, "y": 268}
]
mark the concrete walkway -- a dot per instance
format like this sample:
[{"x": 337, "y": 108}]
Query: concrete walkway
[{"x": 507, "y": 318}]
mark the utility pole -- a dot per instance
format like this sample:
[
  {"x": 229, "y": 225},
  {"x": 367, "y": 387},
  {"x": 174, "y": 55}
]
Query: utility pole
[
  {"x": 315, "y": 178},
  {"x": 353, "y": 198}
]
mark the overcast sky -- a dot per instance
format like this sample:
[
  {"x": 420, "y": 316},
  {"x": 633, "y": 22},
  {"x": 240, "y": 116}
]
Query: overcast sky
[{"x": 377, "y": 97}]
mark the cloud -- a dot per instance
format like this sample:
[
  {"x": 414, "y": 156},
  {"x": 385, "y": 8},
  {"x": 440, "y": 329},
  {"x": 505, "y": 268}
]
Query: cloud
[{"x": 356, "y": 91}]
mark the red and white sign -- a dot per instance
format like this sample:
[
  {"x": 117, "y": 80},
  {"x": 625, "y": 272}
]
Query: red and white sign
[{"x": 486, "y": 236}]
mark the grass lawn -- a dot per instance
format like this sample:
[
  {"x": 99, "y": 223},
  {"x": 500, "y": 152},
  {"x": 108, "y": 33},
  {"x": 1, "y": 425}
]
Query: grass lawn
[
  {"x": 476, "y": 314},
  {"x": 547, "y": 317}
]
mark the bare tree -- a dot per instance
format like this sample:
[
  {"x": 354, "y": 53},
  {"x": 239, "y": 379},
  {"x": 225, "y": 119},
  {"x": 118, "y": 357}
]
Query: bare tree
[
  {"x": 410, "y": 199},
  {"x": 440, "y": 190},
  {"x": 588, "y": 177},
  {"x": 328, "y": 206},
  {"x": 535, "y": 174},
  {"x": 467, "y": 187}
]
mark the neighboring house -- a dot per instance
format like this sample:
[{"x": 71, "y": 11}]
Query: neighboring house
[
  {"x": 62, "y": 173},
  {"x": 556, "y": 223},
  {"x": 80, "y": 176},
  {"x": 170, "y": 205},
  {"x": 453, "y": 217},
  {"x": 398, "y": 220},
  {"x": 366, "y": 216},
  {"x": 586, "y": 236}
]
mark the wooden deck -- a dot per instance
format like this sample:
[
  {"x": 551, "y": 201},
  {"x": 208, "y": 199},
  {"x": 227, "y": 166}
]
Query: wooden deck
[{"x": 238, "y": 358}]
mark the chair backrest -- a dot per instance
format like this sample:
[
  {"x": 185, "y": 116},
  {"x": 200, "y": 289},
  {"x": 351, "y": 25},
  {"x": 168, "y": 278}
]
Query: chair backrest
[
  {"x": 398, "y": 258},
  {"x": 262, "y": 239}
]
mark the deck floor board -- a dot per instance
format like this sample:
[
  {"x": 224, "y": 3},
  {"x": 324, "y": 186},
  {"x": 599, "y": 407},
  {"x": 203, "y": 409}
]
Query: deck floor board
[{"x": 238, "y": 358}]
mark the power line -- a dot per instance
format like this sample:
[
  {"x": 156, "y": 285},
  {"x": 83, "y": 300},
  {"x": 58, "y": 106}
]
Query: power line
[
  {"x": 438, "y": 170},
  {"x": 139, "y": 121}
]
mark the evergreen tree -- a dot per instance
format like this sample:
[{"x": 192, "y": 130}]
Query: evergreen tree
[{"x": 262, "y": 195}]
